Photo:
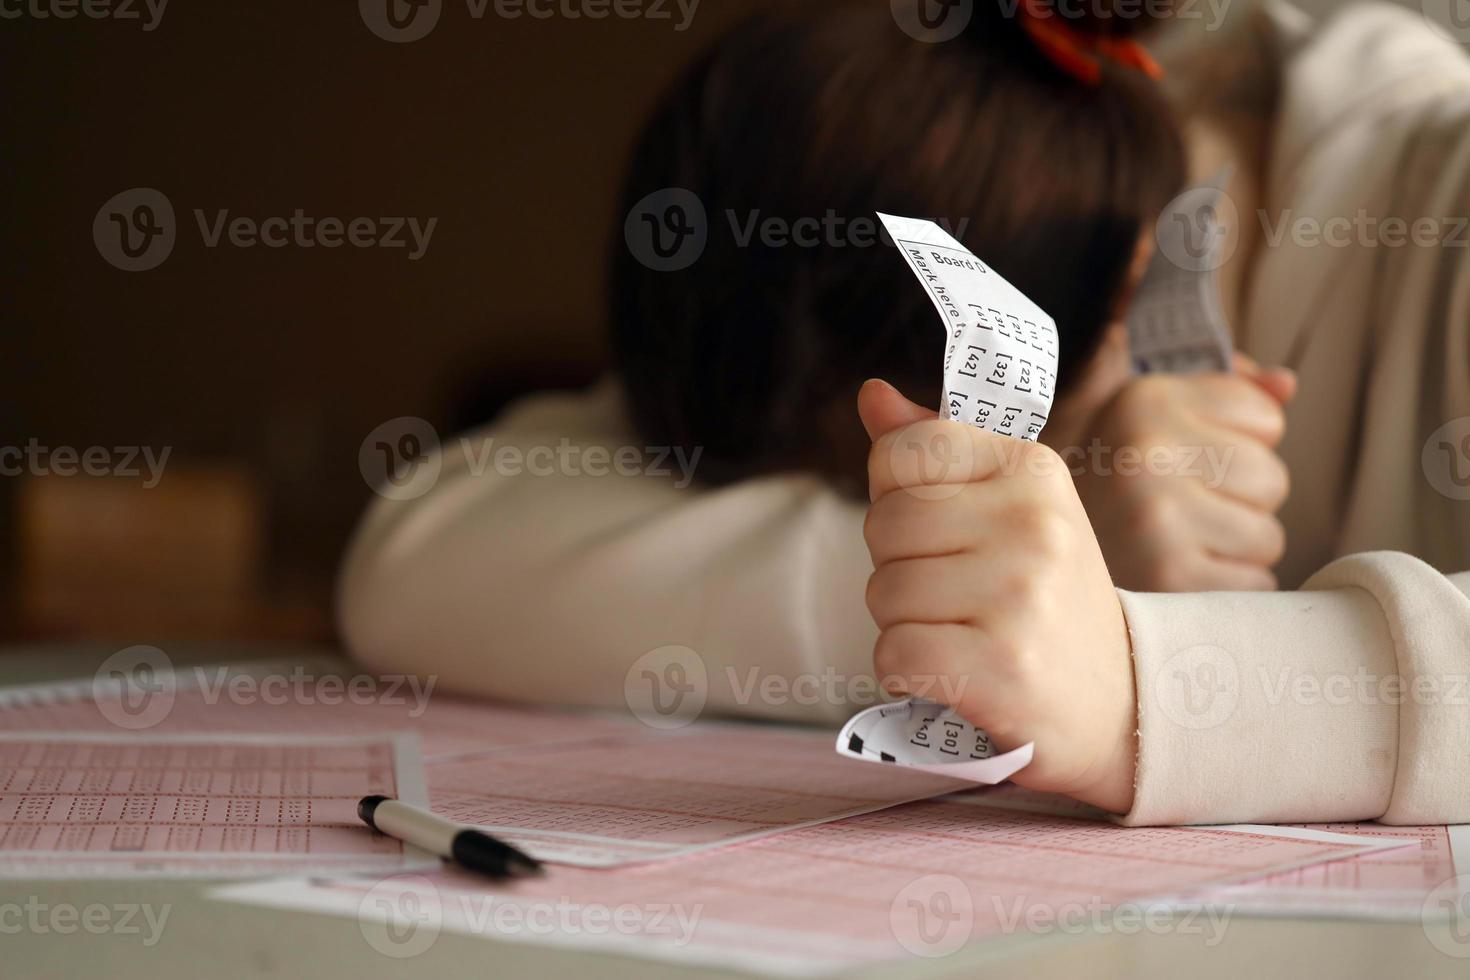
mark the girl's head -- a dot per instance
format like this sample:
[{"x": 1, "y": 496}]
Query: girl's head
[{"x": 791, "y": 133}]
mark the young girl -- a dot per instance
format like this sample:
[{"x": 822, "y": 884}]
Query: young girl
[{"x": 1049, "y": 153}]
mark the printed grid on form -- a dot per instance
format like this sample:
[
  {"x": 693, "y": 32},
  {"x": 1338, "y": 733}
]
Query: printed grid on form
[
  {"x": 659, "y": 794},
  {"x": 544, "y": 779},
  {"x": 848, "y": 893},
  {"x": 195, "y": 803},
  {"x": 1392, "y": 884}
]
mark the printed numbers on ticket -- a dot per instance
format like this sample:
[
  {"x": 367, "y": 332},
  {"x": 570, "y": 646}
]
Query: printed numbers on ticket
[
  {"x": 1000, "y": 358},
  {"x": 1000, "y": 372}
]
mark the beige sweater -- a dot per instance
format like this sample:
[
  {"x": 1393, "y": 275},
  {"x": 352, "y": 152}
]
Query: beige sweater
[{"x": 1344, "y": 700}]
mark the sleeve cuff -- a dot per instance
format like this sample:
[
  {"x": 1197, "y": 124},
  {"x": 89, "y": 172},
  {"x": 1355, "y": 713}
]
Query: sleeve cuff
[
  {"x": 1262, "y": 707},
  {"x": 1427, "y": 616}
]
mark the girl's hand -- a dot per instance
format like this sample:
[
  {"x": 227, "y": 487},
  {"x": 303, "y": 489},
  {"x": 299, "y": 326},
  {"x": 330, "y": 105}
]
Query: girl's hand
[
  {"x": 1192, "y": 509},
  {"x": 991, "y": 593}
]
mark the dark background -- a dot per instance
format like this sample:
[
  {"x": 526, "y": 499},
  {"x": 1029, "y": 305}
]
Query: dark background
[{"x": 264, "y": 368}]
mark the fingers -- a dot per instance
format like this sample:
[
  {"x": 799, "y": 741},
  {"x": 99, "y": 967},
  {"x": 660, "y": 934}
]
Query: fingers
[
  {"x": 883, "y": 409},
  {"x": 945, "y": 589},
  {"x": 901, "y": 525},
  {"x": 915, "y": 450},
  {"x": 963, "y": 667},
  {"x": 1184, "y": 567},
  {"x": 1248, "y": 472},
  {"x": 918, "y": 659},
  {"x": 1234, "y": 531},
  {"x": 931, "y": 458},
  {"x": 1239, "y": 404},
  {"x": 971, "y": 517},
  {"x": 1222, "y": 575}
]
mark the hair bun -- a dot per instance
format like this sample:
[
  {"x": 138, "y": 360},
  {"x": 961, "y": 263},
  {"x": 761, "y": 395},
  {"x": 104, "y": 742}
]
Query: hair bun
[{"x": 1077, "y": 36}]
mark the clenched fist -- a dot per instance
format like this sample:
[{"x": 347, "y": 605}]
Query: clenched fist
[
  {"x": 991, "y": 594},
  {"x": 1196, "y": 510}
]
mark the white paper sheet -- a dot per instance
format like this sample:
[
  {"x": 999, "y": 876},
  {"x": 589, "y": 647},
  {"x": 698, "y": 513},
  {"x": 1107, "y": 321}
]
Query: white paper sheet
[{"x": 921, "y": 880}]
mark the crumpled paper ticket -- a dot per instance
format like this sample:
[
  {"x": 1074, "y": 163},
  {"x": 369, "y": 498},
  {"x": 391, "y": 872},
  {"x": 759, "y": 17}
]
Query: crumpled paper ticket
[{"x": 1000, "y": 372}]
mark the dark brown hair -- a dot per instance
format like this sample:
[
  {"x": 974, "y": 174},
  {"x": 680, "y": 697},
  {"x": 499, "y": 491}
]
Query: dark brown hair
[{"x": 831, "y": 112}]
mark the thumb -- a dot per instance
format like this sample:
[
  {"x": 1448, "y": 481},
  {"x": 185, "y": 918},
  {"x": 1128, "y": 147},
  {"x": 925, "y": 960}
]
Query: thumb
[{"x": 883, "y": 409}]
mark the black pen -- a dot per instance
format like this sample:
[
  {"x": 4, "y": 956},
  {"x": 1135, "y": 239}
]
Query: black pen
[{"x": 470, "y": 848}]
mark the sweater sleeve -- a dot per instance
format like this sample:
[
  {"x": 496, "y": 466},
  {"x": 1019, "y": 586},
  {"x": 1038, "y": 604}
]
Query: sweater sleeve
[
  {"x": 1347, "y": 700},
  {"x": 536, "y": 567}
]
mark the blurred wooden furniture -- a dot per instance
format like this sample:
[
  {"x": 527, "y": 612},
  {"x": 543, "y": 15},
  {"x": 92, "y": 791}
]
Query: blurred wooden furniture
[{"x": 109, "y": 556}]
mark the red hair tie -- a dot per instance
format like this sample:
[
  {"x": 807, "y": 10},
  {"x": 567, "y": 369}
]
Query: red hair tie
[{"x": 1077, "y": 52}]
